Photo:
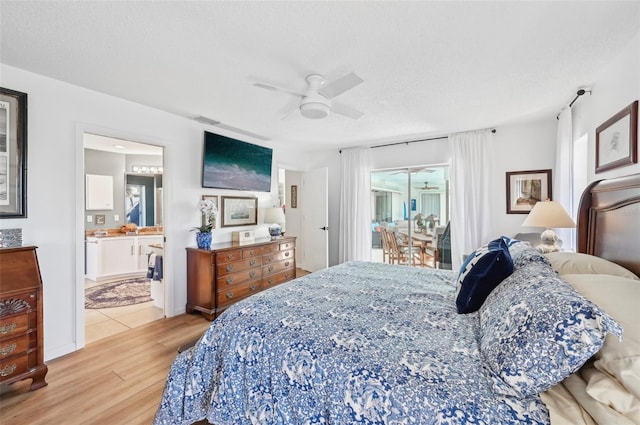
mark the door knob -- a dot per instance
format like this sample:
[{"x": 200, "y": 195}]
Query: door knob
[{"x": 324, "y": 228}]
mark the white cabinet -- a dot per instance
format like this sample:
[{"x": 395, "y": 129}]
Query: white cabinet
[
  {"x": 144, "y": 248},
  {"x": 118, "y": 256}
]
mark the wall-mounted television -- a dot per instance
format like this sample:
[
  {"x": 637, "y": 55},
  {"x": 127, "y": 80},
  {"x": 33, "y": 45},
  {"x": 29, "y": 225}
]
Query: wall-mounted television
[{"x": 233, "y": 164}]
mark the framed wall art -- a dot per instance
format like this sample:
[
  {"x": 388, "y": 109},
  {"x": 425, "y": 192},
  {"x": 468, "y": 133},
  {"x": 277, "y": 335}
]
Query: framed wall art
[
  {"x": 13, "y": 154},
  {"x": 526, "y": 188},
  {"x": 617, "y": 140},
  {"x": 294, "y": 196},
  {"x": 239, "y": 211}
]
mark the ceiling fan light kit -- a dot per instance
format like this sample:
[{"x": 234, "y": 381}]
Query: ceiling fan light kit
[{"x": 314, "y": 110}]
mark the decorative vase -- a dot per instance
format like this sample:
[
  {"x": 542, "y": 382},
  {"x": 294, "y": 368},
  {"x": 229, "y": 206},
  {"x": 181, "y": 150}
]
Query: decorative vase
[{"x": 203, "y": 240}]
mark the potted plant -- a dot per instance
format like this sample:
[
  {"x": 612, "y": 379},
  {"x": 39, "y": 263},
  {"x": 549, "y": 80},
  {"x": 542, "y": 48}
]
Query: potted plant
[{"x": 209, "y": 214}]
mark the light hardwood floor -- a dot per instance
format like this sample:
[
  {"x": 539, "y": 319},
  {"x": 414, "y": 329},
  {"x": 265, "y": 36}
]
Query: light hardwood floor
[{"x": 116, "y": 380}]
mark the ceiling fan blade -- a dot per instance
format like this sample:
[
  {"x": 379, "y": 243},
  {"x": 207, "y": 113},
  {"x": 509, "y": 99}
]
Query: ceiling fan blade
[
  {"x": 277, "y": 88},
  {"x": 339, "y": 86},
  {"x": 289, "y": 111},
  {"x": 347, "y": 111}
]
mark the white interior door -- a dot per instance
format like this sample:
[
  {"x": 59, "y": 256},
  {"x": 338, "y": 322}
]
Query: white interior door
[{"x": 315, "y": 221}]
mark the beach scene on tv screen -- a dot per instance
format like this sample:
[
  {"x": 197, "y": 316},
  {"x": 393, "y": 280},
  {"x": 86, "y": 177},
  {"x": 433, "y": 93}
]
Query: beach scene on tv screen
[{"x": 233, "y": 164}]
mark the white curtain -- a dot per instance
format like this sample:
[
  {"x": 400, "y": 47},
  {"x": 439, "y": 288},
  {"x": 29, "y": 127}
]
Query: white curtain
[
  {"x": 355, "y": 206},
  {"x": 470, "y": 193},
  {"x": 563, "y": 175}
]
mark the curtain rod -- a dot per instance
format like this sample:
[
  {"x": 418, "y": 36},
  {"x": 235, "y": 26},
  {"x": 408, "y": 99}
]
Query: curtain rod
[
  {"x": 493, "y": 130},
  {"x": 578, "y": 94}
]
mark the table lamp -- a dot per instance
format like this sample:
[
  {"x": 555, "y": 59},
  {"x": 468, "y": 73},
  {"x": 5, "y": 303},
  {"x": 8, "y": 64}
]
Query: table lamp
[
  {"x": 549, "y": 214},
  {"x": 274, "y": 215}
]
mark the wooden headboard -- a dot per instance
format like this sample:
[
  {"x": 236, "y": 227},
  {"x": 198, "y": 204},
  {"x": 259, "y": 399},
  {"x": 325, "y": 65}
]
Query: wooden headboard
[{"x": 609, "y": 221}]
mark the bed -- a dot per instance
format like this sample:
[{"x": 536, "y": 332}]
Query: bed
[{"x": 384, "y": 344}]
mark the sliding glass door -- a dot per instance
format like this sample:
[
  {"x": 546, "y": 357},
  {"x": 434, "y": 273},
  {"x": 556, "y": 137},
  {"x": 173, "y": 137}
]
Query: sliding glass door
[{"x": 408, "y": 202}]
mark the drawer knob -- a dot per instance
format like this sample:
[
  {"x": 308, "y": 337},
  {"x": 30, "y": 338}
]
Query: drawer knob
[
  {"x": 271, "y": 258},
  {"x": 287, "y": 275},
  {"x": 230, "y": 267},
  {"x": 270, "y": 281},
  {"x": 286, "y": 254},
  {"x": 8, "y": 328},
  {"x": 252, "y": 263},
  {"x": 229, "y": 295},
  {"x": 286, "y": 264},
  {"x": 252, "y": 287},
  {"x": 8, "y": 349},
  {"x": 229, "y": 280},
  {"x": 252, "y": 274},
  {"x": 251, "y": 253},
  {"x": 270, "y": 268},
  {"x": 8, "y": 369},
  {"x": 229, "y": 256}
]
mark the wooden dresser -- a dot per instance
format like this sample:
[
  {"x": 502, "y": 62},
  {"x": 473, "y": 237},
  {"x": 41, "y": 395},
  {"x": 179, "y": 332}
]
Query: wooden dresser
[
  {"x": 21, "y": 331},
  {"x": 231, "y": 271}
]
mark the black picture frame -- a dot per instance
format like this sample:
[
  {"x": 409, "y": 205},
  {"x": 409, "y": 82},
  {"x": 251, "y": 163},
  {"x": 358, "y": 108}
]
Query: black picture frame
[
  {"x": 617, "y": 140},
  {"x": 526, "y": 188},
  {"x": 13, "y": 154}
]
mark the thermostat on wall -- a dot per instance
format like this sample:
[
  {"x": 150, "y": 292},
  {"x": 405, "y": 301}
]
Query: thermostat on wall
[{"x": 244, "y": 236}]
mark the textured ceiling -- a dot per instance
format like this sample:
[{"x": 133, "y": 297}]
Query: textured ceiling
[{"x": 429, "y": 68}]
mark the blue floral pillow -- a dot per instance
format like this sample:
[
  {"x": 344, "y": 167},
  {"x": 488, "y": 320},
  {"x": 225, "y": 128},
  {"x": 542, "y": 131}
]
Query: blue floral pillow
[
  {"x": 535, "y": 330},
  {"x": 481, "y": 272}
]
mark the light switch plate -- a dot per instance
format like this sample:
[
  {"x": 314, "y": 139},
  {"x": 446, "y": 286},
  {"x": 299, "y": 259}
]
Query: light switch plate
[
  {"x": 116, "y": 217},
  {"x": 89, "y": 219}
]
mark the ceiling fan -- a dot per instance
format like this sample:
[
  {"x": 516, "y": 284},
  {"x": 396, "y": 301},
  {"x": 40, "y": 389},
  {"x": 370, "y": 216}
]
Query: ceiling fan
[
  {"x": 317, "y": 100},
  {"x": 427, "y": 187}
]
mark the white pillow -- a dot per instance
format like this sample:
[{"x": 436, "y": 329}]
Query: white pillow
[
  {"x": 619, "y": 297},
  {"x": 578, "y": 263}
]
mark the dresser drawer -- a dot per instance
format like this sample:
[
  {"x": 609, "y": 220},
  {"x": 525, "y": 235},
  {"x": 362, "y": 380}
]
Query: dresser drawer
[
  {"x": 278, "y": 256},
  {"x": 277, "y": 267},
  {"x": 14, "y": 325},
  {"x": 20, "y": 303},
  {"x": 12, "y": 366},
  {"x": 231, "y": 295},
  {"x": 234, "y": 279},
  {"x": 253, "y": 252},
  {"x": 228, "y": 256},
  {"x": 238, "y": 266},
  {"x": 287, "y": 245},
  {"x": 277, "y": 278},
  {"x": 12, "y": 346}
]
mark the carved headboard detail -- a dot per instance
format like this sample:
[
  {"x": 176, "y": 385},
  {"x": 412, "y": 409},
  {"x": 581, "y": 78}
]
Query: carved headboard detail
[{"x": 609, "y": 221}]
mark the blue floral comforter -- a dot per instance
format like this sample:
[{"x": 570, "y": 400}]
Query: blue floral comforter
[{"x": 360, "y": 342}]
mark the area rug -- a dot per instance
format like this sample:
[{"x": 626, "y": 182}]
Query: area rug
[{"x": 118, "y": 293}]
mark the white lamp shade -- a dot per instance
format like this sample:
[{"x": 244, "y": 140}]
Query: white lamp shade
[
  {"x": 549, "y": 214},
  {"x": 274, "y": 215}
]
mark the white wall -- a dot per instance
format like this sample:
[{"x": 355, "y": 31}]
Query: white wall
[
  {"x": 58, "y": 114},
  {"x": 519, "y": 147}
]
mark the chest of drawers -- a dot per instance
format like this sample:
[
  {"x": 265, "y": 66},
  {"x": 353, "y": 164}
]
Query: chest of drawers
[
  {"x": 232, "y": 271},
  {"x": 21, "y": 338}
]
